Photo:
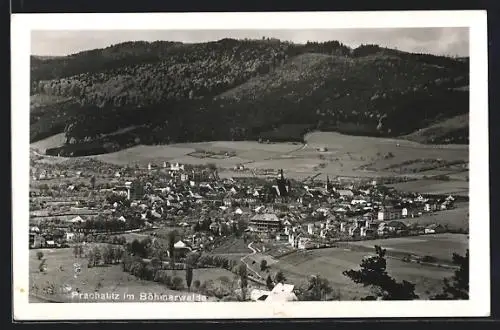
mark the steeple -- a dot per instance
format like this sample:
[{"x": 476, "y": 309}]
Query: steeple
[{"x": 283, "y": 185}]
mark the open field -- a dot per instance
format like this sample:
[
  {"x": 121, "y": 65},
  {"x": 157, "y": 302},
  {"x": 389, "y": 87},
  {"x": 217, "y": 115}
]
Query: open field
[
  {"x": 434, "y": 187},
  {"x": 342, "y": 155},
  {"x": 232, "y": 245},
  {"x": 441, "y": 246},
  {"x": 50, "y": 142},
  {"x": 456, "y": 218},
  {"x": 330, "y": 263},
  {"x": 110, "y": 279}
]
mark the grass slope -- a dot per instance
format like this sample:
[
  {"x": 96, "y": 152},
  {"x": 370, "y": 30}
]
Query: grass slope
[{"x": 455, "y": 128}]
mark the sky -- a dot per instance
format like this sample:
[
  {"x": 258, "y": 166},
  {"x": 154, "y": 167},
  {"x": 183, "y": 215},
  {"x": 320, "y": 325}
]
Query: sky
[{"x": 439, "y": 41}]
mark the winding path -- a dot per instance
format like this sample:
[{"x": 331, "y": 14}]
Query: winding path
[{"x": 250, "y": 254}]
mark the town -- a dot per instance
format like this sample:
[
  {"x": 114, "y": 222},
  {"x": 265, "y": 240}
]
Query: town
[{"x": 179, "y": 217}]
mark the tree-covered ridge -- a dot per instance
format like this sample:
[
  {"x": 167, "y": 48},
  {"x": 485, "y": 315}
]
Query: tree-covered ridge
[
  {"x": 164, "y": 92},
  {"x": 157, "y": 72}
]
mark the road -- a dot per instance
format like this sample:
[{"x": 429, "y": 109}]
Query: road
[{"x": 248, "y": 267}]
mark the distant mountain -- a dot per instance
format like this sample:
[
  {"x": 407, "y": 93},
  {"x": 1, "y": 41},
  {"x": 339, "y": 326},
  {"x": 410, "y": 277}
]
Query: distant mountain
[{"x": 164, "y": 92}]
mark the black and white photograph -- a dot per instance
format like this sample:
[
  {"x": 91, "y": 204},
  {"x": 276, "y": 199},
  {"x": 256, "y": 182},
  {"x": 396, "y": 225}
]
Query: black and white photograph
[{"x": 211, "y": 164}]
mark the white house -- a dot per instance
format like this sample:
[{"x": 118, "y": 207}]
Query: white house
[
  {"x": 387, "y": 214},
  {"x": 176, "y": 167},
  {"x": 77, "y": 219},
  {"x": 345, "y": 193},
  {"x": 358, "y": 202},
  {"x": 280, "y": 293},
  {"x": 303, "y": 243},
  {"x": 310, "y": 228},
  {"x": 420, "y": 199},
  {"x": 70, "y": 236},
  {"x": 433, "y": 229}
]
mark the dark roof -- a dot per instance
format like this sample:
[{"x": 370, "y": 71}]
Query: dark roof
[{"x": 396, "y": 224}]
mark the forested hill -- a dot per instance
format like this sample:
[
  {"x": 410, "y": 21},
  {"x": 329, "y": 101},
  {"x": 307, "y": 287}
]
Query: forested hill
[{"x": 165, "y": 92}]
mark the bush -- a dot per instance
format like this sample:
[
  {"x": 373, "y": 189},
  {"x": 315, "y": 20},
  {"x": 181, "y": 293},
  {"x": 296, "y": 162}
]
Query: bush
[
  {"x": 161, "y": 276},
  {"x": 39, "y": 255},
  {"x": 177, "y": 283}
]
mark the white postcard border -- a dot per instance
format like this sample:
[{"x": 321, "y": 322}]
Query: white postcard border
[{"x": 477, "y": 305}]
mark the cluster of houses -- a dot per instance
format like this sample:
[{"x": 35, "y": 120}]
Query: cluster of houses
[
  {"x": 37, "y": 174},
  {"x": 299, "y": 214}
]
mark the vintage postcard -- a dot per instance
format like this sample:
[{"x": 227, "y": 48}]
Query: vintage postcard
[{"x": 250, "y": 165}]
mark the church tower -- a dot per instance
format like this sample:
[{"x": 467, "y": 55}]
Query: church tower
[
  {"x": 283, "y": 184},
  {"x": 328, "y": 186}
]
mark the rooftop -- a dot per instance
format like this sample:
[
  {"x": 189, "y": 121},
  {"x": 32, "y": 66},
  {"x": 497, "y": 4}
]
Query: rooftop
[{"x": 265, "y": 217}]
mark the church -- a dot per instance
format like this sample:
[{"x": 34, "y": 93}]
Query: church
[{"x": 283, "y": 186}]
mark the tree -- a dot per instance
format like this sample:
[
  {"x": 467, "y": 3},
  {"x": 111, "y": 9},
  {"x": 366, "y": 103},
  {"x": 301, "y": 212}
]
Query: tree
[
  {"x": 269, "y": 282},
  {"x": 118, "y": 253},
  {"x": 192, "y": 259},
  {"x": 242, "y": 272},
  {"x": 137, "y": 248},
  {"x": 97, "y": 256},
  {"x": 91, "y": 258},
  {"x": 279, "y": 277},
  {"x": 317, "y": 289},
  {"x": 373, "y": 273},
  {"x": 137, "y": 268},
  {"x": 39, "y": 255},
  {"x": 189, "y": 276},
  {"x": 92, "y": 181},
  {"x": 177, "y": 283},
  {"x": 457, "y": 287},
  {"x": 108, "y": 254},
  {"x": 42, "y": 266},
  {"x": 171, "y": 237},
  {"x": 263, "y": 265},
  {"x": 156, "y": 263}
]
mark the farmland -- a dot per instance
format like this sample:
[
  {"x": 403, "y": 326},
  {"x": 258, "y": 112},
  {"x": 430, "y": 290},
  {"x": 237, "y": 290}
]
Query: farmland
[
  {"x": 342, "y": 155},
  {"x": 322, "y": 152},
  {"x": 455, "y": 219},
  {"x": 441, "y": 246},
  {"x": 434, "y": 187},
  {"x": 330, "y": 263}
]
